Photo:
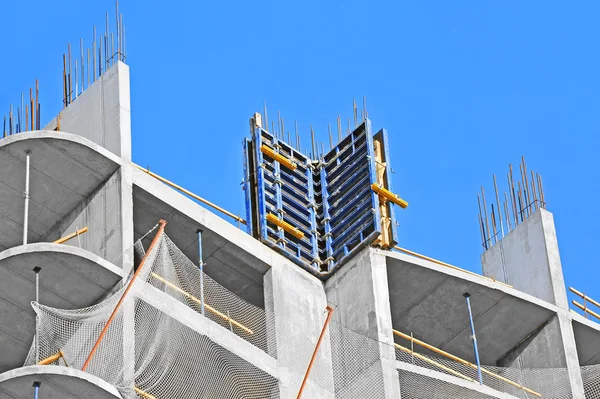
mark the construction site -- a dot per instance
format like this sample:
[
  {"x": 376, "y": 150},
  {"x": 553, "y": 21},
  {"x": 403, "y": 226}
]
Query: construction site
[{"x": 118, "y": 283}]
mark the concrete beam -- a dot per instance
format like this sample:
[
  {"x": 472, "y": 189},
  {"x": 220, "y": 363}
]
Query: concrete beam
[
  {"x": 56, "y": 382},
  {"x": 458, "y": 385}
]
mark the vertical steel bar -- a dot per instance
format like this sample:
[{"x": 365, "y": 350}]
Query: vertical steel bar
[
  {"x": 266, "y": 116},
  {"x": 94, "y": 55},
  {"x": 82, "y": 64},
  {"x": 474, "y": 337},
  {"x": 26, "y": 195},
  {"x": 36, "y": 270},
  {"x": 483, "y": 242},
  {"x": 201, "y": 265},
  {"x": 487, "y": 227},
  {"x": 36, "y": 385},
  {"x": 498, "y": 205},
  {"x": 535, "y": 199},
  {"x": 507, "y": 212},
  {"x": 542, "y": 192},
  {"x": 69, "y": 75}
]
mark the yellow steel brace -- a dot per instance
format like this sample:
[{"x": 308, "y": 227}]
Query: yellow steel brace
[
  {"x": 388, "y": 195},
  {"x": 285, "y": 226},
  {"x": 278, "y": 157}
]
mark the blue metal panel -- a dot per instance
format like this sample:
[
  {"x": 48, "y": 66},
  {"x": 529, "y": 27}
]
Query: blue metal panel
[
  {"x": 248, "y": 186},
  {"x": 330, "y": 200},
  {"x": 289, "y": 194},
  {"x": 348, "y": 173}
]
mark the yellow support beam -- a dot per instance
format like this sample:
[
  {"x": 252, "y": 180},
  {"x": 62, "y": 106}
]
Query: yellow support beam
[
  {"x": 586, "y": 310},
  {"x": 70, "y": 236},
  {"x": 285, "y": 226},
  {"x": 388, "y": 195},
  {"x": 144, "y": 394},
  {"x": 464, "y": 362},
  {"x": 198, "y": 301},
  {"x": 51, "y": 359},
  {"x": 584, "y": 297},
  {"x": 436, "y": 364},
  {"x": 278, "y": 157}
]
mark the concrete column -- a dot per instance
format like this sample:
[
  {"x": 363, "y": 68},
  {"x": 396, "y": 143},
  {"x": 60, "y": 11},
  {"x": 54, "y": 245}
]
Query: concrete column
[
  {"x": 528, "y": 259},
  {"x": 102, "y": 114},
  {"x": 295, "y": 303},
  {"x": 359, "y": 291}
]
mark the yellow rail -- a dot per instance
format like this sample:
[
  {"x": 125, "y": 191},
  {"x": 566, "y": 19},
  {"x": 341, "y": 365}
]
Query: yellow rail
[
  {"x": 278, "y": 157},
  {"x": 428, "y": 360},
  {"x": 187, "y": 192},
  {"x": 388, "y": 195},
  {"x": 584, "y": 297},
  {"x": 198, "y": 301},
  {"x": 144, "y": 393},
  {"x": 439, "y": 262},
  {"x": 70, "y": 236},
  {"x": 464, "y": 362},
  {"x": 285, "y": 226},
  {"x": 585, "y": 309},
  {"x": 51, "y": 359}
]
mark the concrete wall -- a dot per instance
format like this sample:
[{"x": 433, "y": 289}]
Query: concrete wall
[
  {"x": 528, "y": 259},
  {"x": 295, "y": 304},
  {"x": 102, "y": 112},
  {"x": 102, "y": 115},
  {"x": 542, "y": 349},
  {"x": 101, "y": 212},
  {"x": 359, "y": 292}
]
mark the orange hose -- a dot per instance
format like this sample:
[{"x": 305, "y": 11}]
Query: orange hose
[
  {"x": 161, "y": 229},
  {"x": 314, "y": 356}
]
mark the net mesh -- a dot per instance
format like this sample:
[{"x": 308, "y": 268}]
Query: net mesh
[
  {"x": 549, "y": 382},
  {"x": 417, "y": 386},
  {"x": 161, "y": 360},
  {"x": 152, "y": 354}
]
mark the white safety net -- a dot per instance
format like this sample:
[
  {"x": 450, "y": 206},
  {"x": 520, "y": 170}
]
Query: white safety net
[
  {"x": 418, "y": 386},
  {"x": 159, "y": 346},
  {"x": 147, "y": 353},
  {"x": 553, "y": 383}
]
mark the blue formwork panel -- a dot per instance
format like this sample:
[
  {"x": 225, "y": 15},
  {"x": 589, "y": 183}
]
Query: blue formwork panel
[
  {"x": 352, "y": 218},
  {"x": 329, "y": 200},
  {"x": 286, "y": 193}
]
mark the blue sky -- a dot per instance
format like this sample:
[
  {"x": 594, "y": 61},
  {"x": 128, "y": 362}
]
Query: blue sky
[{"x": 463, "y": 87}]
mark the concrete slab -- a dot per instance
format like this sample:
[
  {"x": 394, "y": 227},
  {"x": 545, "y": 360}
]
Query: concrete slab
[
  {"x": 65, "y": 168},
  {"x": 427, "y": 300},
  {"x": 70, "y": 278},
  {"x": 233, "y": 258},
  {"x": 587, "y": 339},
  {"x": 454, "y": 387},
  {"x": 56, "y": 382}
]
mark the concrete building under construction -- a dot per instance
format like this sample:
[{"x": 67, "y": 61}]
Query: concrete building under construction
[{"x": 117, "y": 283}]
